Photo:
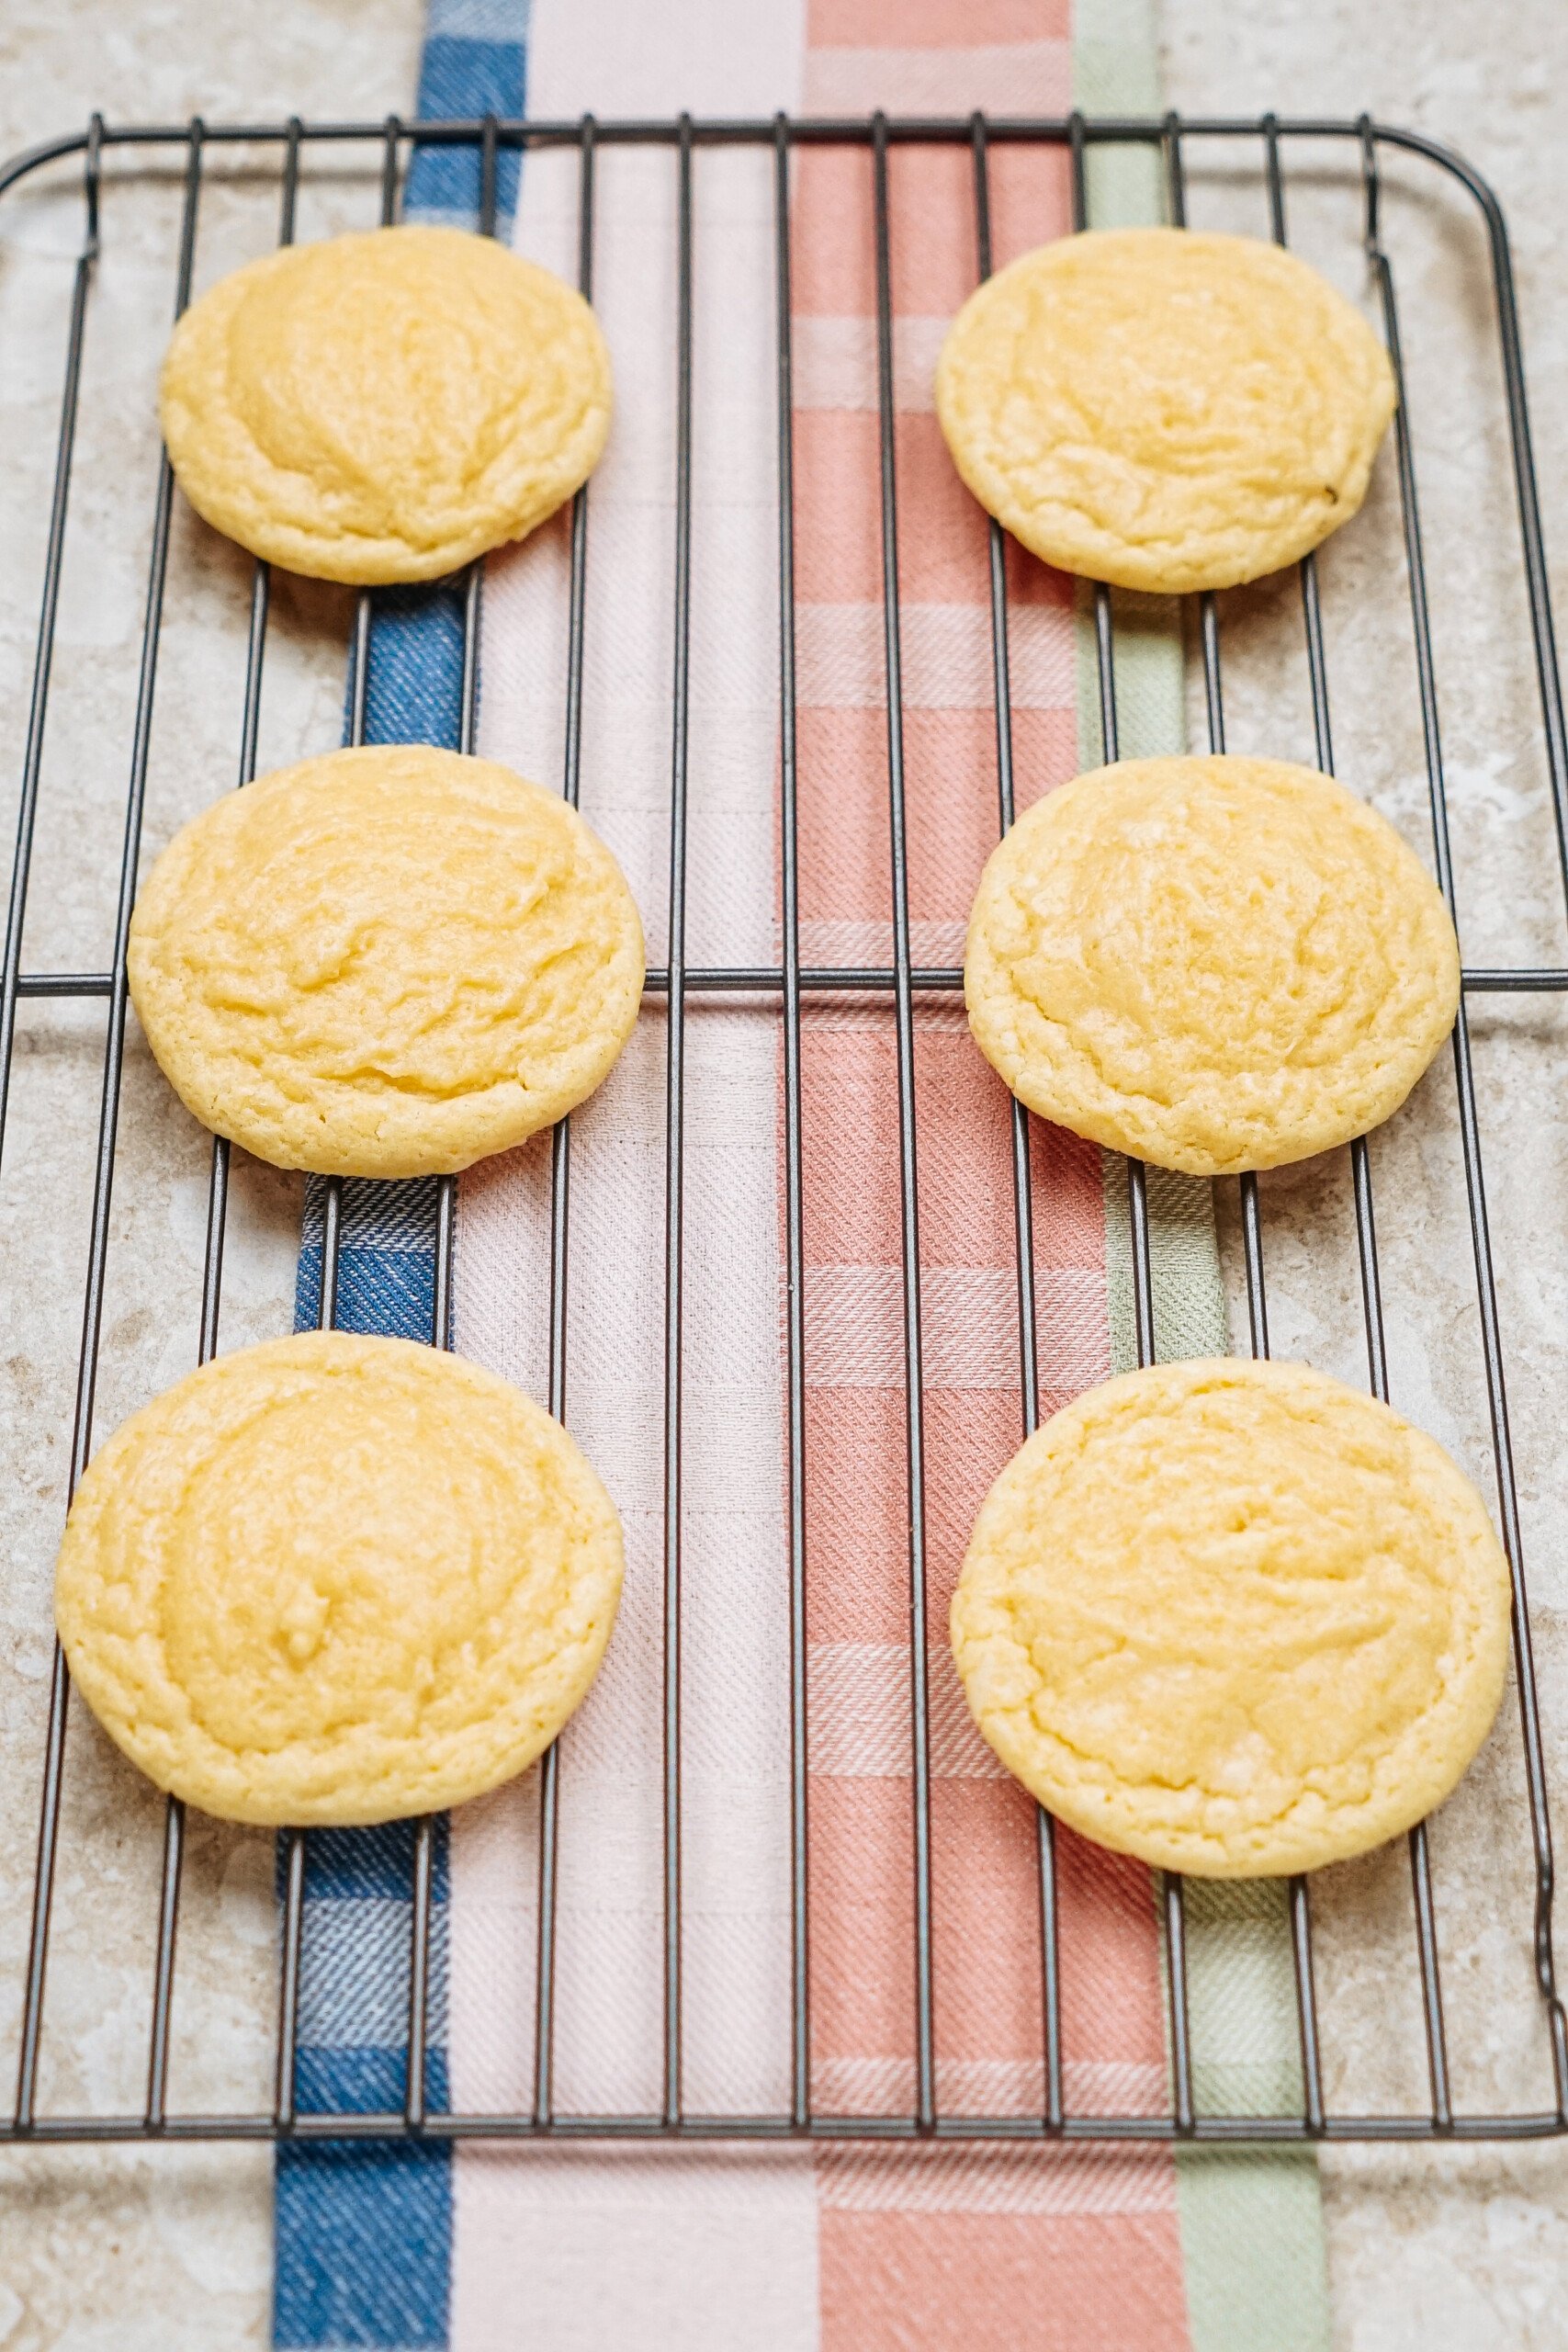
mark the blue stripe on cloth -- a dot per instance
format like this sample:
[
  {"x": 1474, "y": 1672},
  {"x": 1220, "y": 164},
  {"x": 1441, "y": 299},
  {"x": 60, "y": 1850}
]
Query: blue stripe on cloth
[
  {"x": 460, "y": 78},
  {"x": 343, "y": 1863},
  {"x": 391, "y": 1290},
  {"x": 364, "y": 2232},
  {"x": 363, "y": 2081},
  {"x": 363, "y": 2252},
  {"x": 413, "y": 691},
  {"x": 355, "y": 2224}
]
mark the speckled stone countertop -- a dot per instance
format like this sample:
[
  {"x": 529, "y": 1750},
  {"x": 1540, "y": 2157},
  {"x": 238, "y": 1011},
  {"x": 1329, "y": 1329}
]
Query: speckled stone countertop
[{"x": 1445, "y": 2249}]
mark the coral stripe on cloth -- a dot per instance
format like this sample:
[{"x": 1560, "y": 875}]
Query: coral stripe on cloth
[{"x": 837, "y": 2247}]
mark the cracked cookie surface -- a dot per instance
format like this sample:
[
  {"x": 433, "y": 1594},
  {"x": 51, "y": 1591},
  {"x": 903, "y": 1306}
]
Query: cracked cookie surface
[
  {"x": 1213, "y": 964},
  {"x": 386, "y": 405},
  {"x": 390, "y": 961},
  {"x": 1164, "y": 409},
  {"x": 333, "y": 1579},
  {"x": 1233, "y": 1618}
]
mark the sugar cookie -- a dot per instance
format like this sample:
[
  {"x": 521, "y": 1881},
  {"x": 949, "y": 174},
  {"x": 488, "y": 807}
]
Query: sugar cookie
[
  {"x": 383, "y": 406},
  {"x": 1213, "y": 964},
  {"x": 1233, "y": 1618},
  {"x": 387, "y": 962},
  {"x": 1164, "y": 409},
  {"x": 336, "y": 1579}
]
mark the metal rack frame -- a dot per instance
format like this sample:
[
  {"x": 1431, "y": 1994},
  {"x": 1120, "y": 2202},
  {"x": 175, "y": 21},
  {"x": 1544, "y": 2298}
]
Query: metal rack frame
[{"x": 788, "y": 984}]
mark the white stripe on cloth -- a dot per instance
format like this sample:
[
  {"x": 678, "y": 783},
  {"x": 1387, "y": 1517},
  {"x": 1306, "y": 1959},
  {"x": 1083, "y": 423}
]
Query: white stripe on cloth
[
  {"x": 835, "y": 362},
  {"x": 710, "y": 2252},
  {"x": 354, "y": 1972},
  {"x": 851, "y": 942},
  {"x": 948, "y": 657},
  {"x": 855, "y": 1326},
  {"x": 573, "y": 2251},
  {"x": 859, "y": 1717}
]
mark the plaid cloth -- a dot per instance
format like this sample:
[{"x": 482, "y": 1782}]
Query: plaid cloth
[{"x": 848, "y": 2249}]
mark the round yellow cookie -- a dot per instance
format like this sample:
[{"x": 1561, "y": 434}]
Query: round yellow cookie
[
  {"x": 388, "y": 962},
  {"x": 1212, "y": 963},
  {"x": 1164, "y": 409},
  {"x": 383, "y": 406},
  {"x": 336, "y": 1579},
  {"x": 1233, "y": 1618}
]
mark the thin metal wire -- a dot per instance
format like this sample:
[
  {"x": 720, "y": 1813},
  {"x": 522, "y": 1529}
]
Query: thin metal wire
[
  {"x": 1312, "y": 611},
  {"x": 415, "y": 2101},
  {"x": 288, "y": 1981},
  {"x": 255, "y": 652},
  {"x": 392, "y": 132},
  {"x": 212, "y": 1293},
  {"x": 1105, "y": 658},
  {"x": 414, "y": 2104},
  {"x": 31, "y": 769},
  {"x": 419, "y": 1977},
  {"x": 359, "y": 667},
  {"x": 49, "y": 604},
  {"x": 488, "y": 178},
  {"x": 1173, "y": 1892},
  {"x": 1297, "y": 1900},
  {"x": 294, "y": 1870},
  {"x": 674, "y": 1137},
  {"x": 359, "y": 703},
  {"x": 1420, "y": 1874},
  {"x": 817, "y": 130},
  {"x": 1175, "y": 1904},
  {"x": 1175, "y": 179},
  {"x": 1420, "y": 1865},
  {"x": 795, "y": 1278},
  {"x": 765, "y": 979},
  {"x": 103, "y": 1182},
  {"x": 331, "y": 1249},
  {"x": 1476, "y": 1190},
  {"x": 1023, "y": 1204},
  {"x": 1215, "y": 2130},
  {"x": 914, "y": 1397},
  {"x": 1317, "y": 670},
  {"x": 1137, "y": 1175},
  {"x": 163, "y": 1967},
  {"x": 560, "y": 1202},
  {"x": 1209, "y": 627},
  {"x": 1306, "y": 2006}
]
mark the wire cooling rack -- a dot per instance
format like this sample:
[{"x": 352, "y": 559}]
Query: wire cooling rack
[{"x": 787, "y": 985}]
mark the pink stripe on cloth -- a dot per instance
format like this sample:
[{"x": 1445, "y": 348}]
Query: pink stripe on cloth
[{"x": 986, "y": 2247}]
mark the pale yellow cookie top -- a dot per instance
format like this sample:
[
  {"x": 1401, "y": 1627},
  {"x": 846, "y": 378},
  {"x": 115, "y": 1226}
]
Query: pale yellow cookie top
[
  {"x": 387, "y": 962},
  {"x": 386, "y": 405},
  {"x": 1162, "y": 407},
  {"x": 1233, "y": 1618},
  {"x": 1213, "y": 964},
  {"x": 336, "y": 1579}
]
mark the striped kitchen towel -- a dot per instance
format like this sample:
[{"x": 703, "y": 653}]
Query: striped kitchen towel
[{"x": 848, "y": 2248}]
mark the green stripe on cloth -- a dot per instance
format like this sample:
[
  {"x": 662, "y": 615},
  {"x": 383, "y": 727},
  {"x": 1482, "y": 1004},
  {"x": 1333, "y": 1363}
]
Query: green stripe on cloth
[{"x": 1251, "y": 2221}]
